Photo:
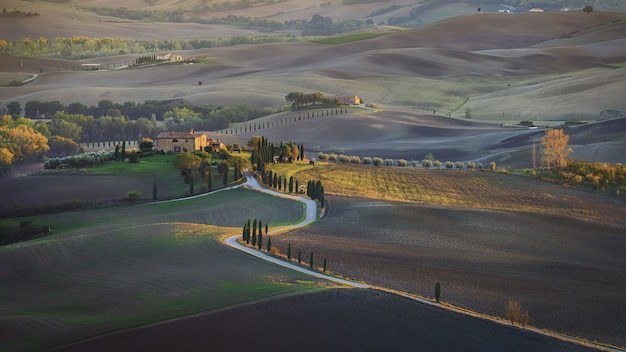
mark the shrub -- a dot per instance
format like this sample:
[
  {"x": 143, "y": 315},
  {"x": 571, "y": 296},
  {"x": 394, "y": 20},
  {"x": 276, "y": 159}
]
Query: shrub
[
  {"x": 367, "y": 160},
  {"x": 344, "y": 158},
  {"x": 377, "y": 161},
  {"x": 449, "y": 165},
  {"x": 414, "y": 163},
  {"x": 401, "y": 162},
  {"x": 133, "y": 158},
  {"x": 332, "y": 157},
  {"x": 355, "y": 159},
  {"x": 471, "y": 165},
  {"x": 427, "y": 163},
  {"x": 437, "y": 164},
  {"x": 133, "y": 196},
  {"x": 492, "y": 166},
  {"x": 388, "y": 162},
  {"x": 515, "y": 314},
  {"x": 322, "y": 156},
  {"x": 459, "y": 165}
]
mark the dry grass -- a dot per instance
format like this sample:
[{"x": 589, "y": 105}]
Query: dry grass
[{"x": 459, "y": 188}]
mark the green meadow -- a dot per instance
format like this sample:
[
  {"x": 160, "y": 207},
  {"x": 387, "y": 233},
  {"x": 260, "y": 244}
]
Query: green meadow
[{"x": 115, "y": 268}]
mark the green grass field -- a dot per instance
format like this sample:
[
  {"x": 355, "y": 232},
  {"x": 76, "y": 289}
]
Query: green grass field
[{"x": 110, "y": 269}]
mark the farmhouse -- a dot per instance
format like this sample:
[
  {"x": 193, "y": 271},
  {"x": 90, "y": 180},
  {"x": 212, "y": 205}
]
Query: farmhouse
[
  {"x": 178, "y": 142},
  {"x": 348, "y": 100},
  {"x": 169, "y": 57}
]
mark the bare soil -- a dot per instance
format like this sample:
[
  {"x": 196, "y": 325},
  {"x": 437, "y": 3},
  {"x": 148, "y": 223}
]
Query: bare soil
[
  {"x": 568, "y": 273},
  {"x": 333, "y": 320}
]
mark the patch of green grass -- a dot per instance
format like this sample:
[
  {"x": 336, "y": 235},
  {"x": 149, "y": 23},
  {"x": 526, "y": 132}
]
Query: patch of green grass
[
  {"x": 231, "y": 208},
  {"x": 135, "y": 265},
  {"x": 349, "y": 38},
  {"x": 153, "y": 164}
]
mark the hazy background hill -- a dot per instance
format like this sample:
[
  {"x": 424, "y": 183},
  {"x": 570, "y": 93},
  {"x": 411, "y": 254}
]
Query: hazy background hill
[{"x": 500, "y": 68}]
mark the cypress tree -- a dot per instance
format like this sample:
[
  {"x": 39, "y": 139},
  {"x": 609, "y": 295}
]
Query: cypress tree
[
  {"x": 311, "y": 260},
  {"x": 123, "y": 150},
  {"x": 437, "y": 291},
  {"x": 299, "y": 256},
  {"x": 243, "y": 233},
  {"x": 210, "y": 180},
  {"x": 253, "y": 238},
  {"x": 324, "y": 264},
  {"x": 269, "y": 244},
  {"x": 116, "y": 155},
  {"x": 260, "y": 239},
  {"x": 154, "y": 191},
  {"x": 266, "y": 229},
  {"x": 289, "y": 251}
]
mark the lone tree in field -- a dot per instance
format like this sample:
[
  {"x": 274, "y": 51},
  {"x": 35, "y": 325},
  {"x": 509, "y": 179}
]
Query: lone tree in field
[
  {"x": 588, "y": 9},
  {"x": 555, "y": 148},
  {"x": 515, "y": 314}
]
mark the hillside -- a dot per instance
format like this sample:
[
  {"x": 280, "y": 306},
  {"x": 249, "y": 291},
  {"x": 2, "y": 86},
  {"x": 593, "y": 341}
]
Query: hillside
[{"x": 504, "y": 68}]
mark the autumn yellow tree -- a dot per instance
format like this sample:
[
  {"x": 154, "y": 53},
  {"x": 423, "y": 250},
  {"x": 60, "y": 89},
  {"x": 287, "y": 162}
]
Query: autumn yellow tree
[
  {"x": 6, "y": 160},
  {"x": 23, "y": 142},
  {"x": 554, "y": 148}
]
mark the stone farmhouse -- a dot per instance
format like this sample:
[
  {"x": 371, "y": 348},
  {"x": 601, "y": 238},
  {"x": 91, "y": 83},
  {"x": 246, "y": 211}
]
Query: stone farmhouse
[
  {"x": 179, "y": 142},
  {"x": 169, "y": 57},
  {"x": 348, "y": 100}
]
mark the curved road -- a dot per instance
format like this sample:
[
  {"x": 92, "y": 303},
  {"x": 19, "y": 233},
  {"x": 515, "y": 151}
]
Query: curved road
[{"x": 311, "y": 215}]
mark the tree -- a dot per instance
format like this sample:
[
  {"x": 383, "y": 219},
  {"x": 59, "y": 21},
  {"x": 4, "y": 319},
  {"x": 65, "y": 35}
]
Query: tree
[
  {"x": 146, "y": 145},
  {"x": 14, "y": 109},
  {"x": 299, "y": 256},
  {"x": 269, "y": 244},
  {"x": 554, "y": 148},
  {"x": 123, "y": 152},
  {"x": 468, "y": 113},
  {"x": 515, "y": 314},
  {"x": 289, "y": 251},
  {"x": 6, "y": 161},
  {"x": 588, "y": 9},
  {"x": 260, "y": 239},
  {"x": 324, "y": 264},
  {"x": 186, "y": 161},
  {"x": 210, "y": 179},
  {"x": 437, "y": 291},
  {"x": 61, "y": 146}
]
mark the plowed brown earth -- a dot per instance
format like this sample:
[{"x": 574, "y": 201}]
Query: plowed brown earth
[
  {"x": 568, "y": 273},
  {"x": 335, "y": 320}
]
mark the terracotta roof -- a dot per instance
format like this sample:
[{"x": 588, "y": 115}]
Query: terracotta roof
[{"x": 167, "y": 135}]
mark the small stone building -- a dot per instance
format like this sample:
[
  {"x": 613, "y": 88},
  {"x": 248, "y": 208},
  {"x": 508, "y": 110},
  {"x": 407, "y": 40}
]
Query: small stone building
[{"x": 178, "y": 142}]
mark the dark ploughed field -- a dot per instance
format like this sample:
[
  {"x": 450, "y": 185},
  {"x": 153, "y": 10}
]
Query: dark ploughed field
[
  {"x": 568, "y": 273},
  {"x": 333, "y": 320}
]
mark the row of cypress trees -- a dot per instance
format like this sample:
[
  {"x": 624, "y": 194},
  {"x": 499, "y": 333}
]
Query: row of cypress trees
[{"x": 249, "y": 234}]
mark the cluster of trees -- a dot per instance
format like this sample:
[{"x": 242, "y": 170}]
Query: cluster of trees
[
  {"x": 598, "y": 175},
  {"x": 300, "y": 99},
  {"x": 315, "y": 190},
  {"x": 264, "y": 152},
  {"x": 81, "y": 47},
  {"x": 79, "y": 161},
  {"x": 249, "y": 234},
  {"x": 279, "y": 182},
  {"x": 130, "y": 120},
  {"x": 20, "y": 140},
  {"x": 17, "y": 13}
]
